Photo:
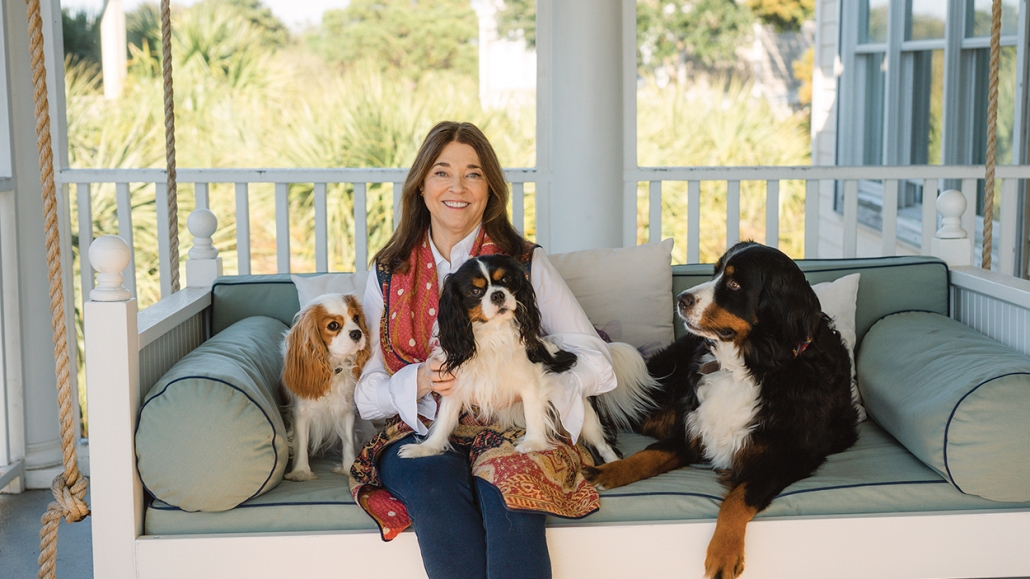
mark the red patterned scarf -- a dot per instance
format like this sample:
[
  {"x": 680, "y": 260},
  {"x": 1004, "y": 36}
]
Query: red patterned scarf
[{"x": 410, "y": 301}]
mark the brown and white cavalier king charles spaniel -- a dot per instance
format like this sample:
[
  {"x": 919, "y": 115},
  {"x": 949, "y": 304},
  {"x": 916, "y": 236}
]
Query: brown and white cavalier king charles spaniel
[{"x": 324, "y": 352}]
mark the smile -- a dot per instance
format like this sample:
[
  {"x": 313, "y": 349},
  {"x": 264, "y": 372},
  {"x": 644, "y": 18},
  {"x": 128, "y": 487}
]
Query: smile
[{"x": 456, "y": 204}]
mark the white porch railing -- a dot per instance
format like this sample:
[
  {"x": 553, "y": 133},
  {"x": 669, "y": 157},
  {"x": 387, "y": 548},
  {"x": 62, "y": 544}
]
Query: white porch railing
[{"x": 85, "y": 180}]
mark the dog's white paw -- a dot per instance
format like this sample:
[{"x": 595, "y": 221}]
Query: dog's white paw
[
  {"x": 418, "y": 451},
  {"x": 300, "y": 475},
  {"x": 344, "y": 470},
  {"x": 532, "y": 446}
]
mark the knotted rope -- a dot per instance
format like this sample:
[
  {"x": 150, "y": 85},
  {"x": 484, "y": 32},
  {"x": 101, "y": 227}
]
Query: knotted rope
[
  {"x": 992, "y": 133},
  {"x": 69, "y": 488},
  {"x": 173, "y": 198}
]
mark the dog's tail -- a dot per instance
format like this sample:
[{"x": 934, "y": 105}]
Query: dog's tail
[{"x": 633, "y": 398}]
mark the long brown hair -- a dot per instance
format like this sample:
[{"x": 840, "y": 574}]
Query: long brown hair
[{"x": 415, "y": 217}]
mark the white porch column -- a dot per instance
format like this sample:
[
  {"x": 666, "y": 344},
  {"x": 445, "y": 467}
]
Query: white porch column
[
  {"x": 29, "y": 345},
  {"x": 580, "y": 118}
]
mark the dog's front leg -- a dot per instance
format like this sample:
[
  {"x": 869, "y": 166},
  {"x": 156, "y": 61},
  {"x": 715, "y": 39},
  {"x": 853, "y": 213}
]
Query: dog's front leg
[
  {"x": 725, "y": 558},
  {"x": 345, "y": 430},
  {"x": 535, "y": 407},
  {"x": 439, "y": 434},
  {"x": 593, "y": 433},
  {"x": 301, "y": 471}
]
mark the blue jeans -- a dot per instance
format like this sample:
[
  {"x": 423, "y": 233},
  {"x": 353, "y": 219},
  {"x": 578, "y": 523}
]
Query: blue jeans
[{"x": 464, "y": 529}]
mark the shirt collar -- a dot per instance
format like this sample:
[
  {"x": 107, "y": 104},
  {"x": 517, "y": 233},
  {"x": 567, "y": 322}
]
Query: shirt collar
[{"x": 459, "y": 253}]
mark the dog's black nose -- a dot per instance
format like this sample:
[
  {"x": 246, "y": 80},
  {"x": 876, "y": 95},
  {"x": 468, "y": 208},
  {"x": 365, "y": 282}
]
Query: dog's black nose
[
  {"x": 686, "y": 300},
  {"x": 355, "y": 335},
  {"x": 497, "y": 298}
]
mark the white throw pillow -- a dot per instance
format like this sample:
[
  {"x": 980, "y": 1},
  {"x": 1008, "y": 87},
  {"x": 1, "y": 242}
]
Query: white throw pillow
[
  {"x": 626, "y": 293},
  {"x": 310, "y": 287},
  {"x": 837, "y": 299}
]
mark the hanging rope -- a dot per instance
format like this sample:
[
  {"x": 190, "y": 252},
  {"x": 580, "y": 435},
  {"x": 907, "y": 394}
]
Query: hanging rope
[
  {"x": 992, "y": 134},
  {"x": 70, "y": 487},
  {"x": 173, "y": 197}
]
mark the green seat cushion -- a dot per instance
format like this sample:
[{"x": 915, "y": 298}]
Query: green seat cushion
[
  {"x": 877, "y": 475},
  {"x": 210, "y": 434},
  {"x": 958, "y": 400},
  {"x": 236, "y": 297}
]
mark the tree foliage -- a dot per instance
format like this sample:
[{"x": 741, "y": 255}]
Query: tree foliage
[
  {"x": 783, "y": 14},
  {"x": 698, "y": 34},
  {"x": 81, "y": 34},
  {"x": 401, "y": 35},
  {"x": 517, "y": 19}
]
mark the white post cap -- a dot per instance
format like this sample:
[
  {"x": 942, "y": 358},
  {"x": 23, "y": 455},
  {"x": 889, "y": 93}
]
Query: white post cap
[
  {"x": 109, "y": 255},
  {"x": 202, "y": 223}
]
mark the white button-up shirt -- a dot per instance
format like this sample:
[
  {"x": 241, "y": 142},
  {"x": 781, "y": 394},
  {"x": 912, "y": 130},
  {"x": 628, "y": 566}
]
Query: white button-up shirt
[{"x": 379, "y": 395}]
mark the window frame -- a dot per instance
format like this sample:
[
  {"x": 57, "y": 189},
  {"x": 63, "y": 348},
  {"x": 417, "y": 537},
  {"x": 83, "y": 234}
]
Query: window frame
[{"x": 957, "y": 119}]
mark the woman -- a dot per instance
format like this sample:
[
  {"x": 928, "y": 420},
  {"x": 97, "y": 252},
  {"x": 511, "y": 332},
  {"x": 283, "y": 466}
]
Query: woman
[{"x": 472, "y": 515}]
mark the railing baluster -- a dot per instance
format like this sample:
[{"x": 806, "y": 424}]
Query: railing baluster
[
  {"x": 929, "y": 214},
  {"x": 360, "y": 228},
  {"x": 732, "y": 213},
  {"x": 849, "y": 244},
  {"x": 200, "y": 196},
  {"x": 243, "y": 228},
  {"x": 812, "y": 218},
  {"x": 772, "y": 213},
  {"x": 693, "y": 221},
  {"x": 282, "y": 227},
  {"x": 889, "y": 215},
  {"x": 321, "y": 229},
  {"x": 1007, "y": 237},
  {"x": 518, "y": 207},
  {"x": 82, "y": 193},
  {"x": 124, "y": 202},
  {"x": 655, "y": 215},
  {"x": 164, "y": 249},
  {"x": 969, "y": 217}
]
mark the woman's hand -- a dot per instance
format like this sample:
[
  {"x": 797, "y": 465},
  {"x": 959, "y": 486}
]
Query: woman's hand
[{"x": 432, "y": 379}]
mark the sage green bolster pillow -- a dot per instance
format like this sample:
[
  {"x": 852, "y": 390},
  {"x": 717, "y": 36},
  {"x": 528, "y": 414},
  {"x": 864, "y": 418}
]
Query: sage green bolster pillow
[
  {"x": 956, "y": 399},
  {"x": 210, "y": 434}
]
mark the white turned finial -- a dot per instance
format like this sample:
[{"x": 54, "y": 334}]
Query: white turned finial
[
  {"x": 951, "y": 205},
  {"x": 202, "y": 223},
  {"x": 951, "y": 243},
  {"x": 109, "y": 255}
]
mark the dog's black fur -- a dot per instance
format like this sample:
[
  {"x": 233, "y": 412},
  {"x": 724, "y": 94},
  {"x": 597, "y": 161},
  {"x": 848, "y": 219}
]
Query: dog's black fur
[{"x": 762, "y": 304}]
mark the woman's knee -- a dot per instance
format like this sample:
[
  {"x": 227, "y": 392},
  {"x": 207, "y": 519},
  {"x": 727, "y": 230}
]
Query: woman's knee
[{"x": 431, "y": 478}]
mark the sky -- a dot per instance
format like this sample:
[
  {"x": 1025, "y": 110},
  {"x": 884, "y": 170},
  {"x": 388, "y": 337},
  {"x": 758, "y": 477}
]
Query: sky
[{"x": 294, "y": 13}]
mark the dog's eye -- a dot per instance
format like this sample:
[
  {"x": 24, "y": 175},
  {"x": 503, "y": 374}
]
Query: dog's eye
[
  {"x": 476, "y": 292},
  {"x": 733, "y": 285},
  {"x": 355, "y": 318},
  {"x": 333, "y": 326}
]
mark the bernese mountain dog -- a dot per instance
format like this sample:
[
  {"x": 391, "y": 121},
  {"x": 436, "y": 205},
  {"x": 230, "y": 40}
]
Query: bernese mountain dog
[{"x": 759, "y": 388}]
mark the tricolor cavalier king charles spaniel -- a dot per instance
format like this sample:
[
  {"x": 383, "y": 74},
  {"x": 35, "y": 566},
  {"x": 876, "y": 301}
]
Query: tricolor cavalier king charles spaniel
[
  {"x": 506, "y": 372},
  {"x": 324, "y": 352},
  {"x": 760, "y": 388}
]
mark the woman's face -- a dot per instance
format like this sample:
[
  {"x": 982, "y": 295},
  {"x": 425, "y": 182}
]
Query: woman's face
[{"x": 455, "y": 192}]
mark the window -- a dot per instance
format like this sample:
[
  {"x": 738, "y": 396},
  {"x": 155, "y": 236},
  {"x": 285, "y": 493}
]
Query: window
[{"x": 898, "y": 117}]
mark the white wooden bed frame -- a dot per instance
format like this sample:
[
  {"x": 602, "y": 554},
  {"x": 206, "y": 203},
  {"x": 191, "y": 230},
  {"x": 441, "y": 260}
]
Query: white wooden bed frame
[{"x": 126, "y": 349}]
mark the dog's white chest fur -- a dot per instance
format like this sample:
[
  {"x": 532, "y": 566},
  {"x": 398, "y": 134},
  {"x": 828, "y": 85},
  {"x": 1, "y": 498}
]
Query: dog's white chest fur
[
  {"x": 499, "y": 373},
  {"x": 728, "y": 403}
]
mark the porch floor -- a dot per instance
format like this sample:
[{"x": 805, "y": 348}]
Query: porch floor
[{"x": 19, "y": 538}]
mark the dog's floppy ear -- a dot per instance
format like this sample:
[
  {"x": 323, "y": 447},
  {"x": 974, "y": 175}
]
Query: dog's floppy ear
[
  {"x": 456, "y": 337},
  {"x": 306, "y": 369},
  {"x": 365, "y": 354},
  {"x": 788, "y": 313},
  {"x": 527, "y": 314}
]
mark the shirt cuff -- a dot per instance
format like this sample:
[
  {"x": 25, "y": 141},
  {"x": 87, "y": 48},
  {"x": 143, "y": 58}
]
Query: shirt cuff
[{"x": 403, "y": 390}]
